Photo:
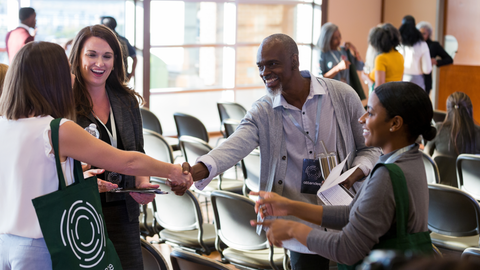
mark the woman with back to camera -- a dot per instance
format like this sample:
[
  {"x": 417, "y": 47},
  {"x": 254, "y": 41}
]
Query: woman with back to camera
[
  {"x": 335, "y": 60},
  {"x": 389, "y": 62},
  {"x": 457, "y": 134},
  {"x": 102, "y": 98},
  {"x": 415, "y": 53},
  {"x": 397, "y": 113},
  {"x": 38, "y": 88}
]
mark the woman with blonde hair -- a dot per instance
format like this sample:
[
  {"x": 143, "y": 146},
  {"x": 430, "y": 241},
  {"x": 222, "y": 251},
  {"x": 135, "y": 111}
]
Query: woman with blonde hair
[{"x": 38, "y": 89}]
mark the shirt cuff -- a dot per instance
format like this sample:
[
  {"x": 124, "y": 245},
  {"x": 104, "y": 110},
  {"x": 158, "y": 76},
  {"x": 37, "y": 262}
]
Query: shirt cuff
[{"x": 212, "y": 168}]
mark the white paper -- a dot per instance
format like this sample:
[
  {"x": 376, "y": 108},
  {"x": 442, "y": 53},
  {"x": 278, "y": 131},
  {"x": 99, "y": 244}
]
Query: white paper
[{"x": 331, "y": 193}]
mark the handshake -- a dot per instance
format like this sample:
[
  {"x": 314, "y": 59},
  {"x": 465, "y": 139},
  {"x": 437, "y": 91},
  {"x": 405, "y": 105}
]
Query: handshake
[{"x": 181, "y": 178}]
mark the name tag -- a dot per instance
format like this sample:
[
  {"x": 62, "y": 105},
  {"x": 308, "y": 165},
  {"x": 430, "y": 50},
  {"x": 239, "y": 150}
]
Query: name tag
[{"x": 312, "y": 178}]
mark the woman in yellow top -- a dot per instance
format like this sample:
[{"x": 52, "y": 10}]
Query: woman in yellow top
[{"x": 389, "y": 62}]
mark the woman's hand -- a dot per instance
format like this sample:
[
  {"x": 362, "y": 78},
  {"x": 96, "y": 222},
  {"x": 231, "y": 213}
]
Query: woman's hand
[
  {"x": 343, "y": 65},
  {"x": 143, "y": 198},
  {"x": 103, "y": 186},
  {"x": 353, "y": 50},
  {"x": 271, "y": 204},
  {"x": 281, "y": 229}
]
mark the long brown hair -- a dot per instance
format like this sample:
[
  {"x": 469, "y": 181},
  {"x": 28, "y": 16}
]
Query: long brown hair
[
  {"x": 460, "y": 119},
  {"x": 116, "y": 79},
  {"x": 38, "y": 83}
]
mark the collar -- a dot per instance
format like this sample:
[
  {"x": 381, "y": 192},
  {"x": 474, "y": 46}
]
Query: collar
[
  {"x": 26, "y": 27},
  {"x": 383, "y": 158},
  {"x": 315, "y": 89}
]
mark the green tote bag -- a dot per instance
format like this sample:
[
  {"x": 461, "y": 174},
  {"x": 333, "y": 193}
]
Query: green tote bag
[{"x": 72, "y": 221}]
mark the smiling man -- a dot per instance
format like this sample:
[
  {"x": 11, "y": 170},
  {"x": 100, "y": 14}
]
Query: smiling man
[{"x": 288, "y": 124}]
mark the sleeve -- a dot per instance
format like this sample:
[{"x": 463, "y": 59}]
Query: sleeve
[
  {"x": 358, "y": 64},
  {"x": 131, "y": 50},
  {"x": 370, "y": 219},
  {"x": 335, "y": 216},
  {"x": 232, "y": 150},
  {"x": 446, "y": 59},
  {"x": 380, "y": 63},
  {"x": 425, "y": 60},
  {"x": 323, "y": 64},
  {"x": 46, "y": 139}
]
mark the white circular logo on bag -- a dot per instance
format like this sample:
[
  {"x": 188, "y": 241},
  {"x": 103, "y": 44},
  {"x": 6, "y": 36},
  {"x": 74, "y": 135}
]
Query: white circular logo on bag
[{"x": 89, "y": 243}]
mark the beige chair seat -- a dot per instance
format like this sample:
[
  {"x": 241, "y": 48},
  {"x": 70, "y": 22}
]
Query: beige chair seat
[
  {"x": 454, "y": 242},
  {"x": 256, "y": 258},
  {"x": 190, "y": 238}
]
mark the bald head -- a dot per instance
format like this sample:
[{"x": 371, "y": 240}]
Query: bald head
[{"x": 287, "y": 42}]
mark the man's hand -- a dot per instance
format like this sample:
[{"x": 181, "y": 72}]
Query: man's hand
[
  {"x": 271, "y": 204},
  {"x": 354, "y": 177}
]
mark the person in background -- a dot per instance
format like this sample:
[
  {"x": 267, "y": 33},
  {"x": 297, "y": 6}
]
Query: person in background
[
  {"x": 335, "y": 60},
  {"x": 415, "y": 53},
  {"x": 388, "y": 65},
  {"x": 289, "y": 124},
  {"x": 457, "y": 134},
  {"x": 438, "y": 55},
  {"x": 127, "y": 49},
  {"x": 3, "y": 72},
  {"x": 38, "y": 88},
  {"x": 20, "y": 36},
  {"x": 103, "y": 99},
  {"x": 397, "y": 113}
]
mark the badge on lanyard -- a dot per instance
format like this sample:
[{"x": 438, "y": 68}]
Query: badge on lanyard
[{"x": 312, "y": 178}]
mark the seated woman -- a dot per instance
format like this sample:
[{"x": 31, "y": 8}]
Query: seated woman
[
  {"x": 397, "y": 113},
  {"x": 38, "y": 88},
  {"x": 457, "y": 134},
  {"x": 388, "y": 65}
]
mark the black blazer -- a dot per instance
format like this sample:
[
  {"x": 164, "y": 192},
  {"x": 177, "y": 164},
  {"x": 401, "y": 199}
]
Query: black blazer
[
  {"x": 128, "y": 122},
  {"x": 436, "y": 50}
]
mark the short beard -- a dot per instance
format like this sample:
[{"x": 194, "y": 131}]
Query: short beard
[{"x": 274, "y": 92}]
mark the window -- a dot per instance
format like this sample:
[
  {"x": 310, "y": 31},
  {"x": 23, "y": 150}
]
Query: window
[{"x": 207, "y": 51}]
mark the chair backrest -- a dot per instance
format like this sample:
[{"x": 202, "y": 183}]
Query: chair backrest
[
  {"x": 251, "y": 170},
  {"x": 431, "y": 169},
  {"x": 471, "y": 255},
  {"x": 439, "y": 116},
  {"x": 191, "y": 126},
  {"x": 233, "y": 213},
  {"x": 452, "y": 212},
  {"x": 447, "y": 169},
  {"x": 157, "y": 147},
  {"x": 150, "y": 121},
  {"x": 177, "y": 213},
  {"x": 468, "y": 174},
  {"x": 230, "y": 126},
  {"x": 230, "y": 110},
  {"x": 183, "y": 260},
  {"x": 193, "y": 148},
  {"x": 152, "y": 258}
]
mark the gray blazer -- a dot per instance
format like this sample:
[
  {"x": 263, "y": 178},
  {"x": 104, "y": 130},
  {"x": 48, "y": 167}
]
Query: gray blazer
[{"x": 129, "y": 125}]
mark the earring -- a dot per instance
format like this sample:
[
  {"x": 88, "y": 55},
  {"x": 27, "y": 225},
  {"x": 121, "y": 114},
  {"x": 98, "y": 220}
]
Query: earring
[{"x": 391, "y": 129}]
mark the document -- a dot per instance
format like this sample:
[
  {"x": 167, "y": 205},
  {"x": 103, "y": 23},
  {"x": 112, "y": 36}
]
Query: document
[{"x": 331, "y": 192}]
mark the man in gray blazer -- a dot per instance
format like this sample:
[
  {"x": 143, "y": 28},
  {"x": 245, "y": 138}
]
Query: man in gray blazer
[{"x": 288, "y": 124}]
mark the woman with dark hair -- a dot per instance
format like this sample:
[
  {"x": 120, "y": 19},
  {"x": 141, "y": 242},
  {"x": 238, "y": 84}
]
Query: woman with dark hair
[
  {"x": 397, "y": 113},
  {"x": 457, "y": 134},
  {"x": 103, "y": 99},
  {"x": 38, "y": 88},
  {"x": 415, "y": 53},
  {"x": 389, "y": 62},
  {"x": 335, "y": 60}
]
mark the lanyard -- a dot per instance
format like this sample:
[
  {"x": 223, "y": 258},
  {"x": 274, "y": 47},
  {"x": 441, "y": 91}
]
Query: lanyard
[
  {"x": 113, "y": 138},
  {"x": 334, "y": 56},
  {"x": 399, "y": 152},
  {"x": 317, "y": 121}
]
